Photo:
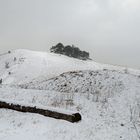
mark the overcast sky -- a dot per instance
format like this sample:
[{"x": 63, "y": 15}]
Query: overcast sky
[{"x": 108, "y": 29}]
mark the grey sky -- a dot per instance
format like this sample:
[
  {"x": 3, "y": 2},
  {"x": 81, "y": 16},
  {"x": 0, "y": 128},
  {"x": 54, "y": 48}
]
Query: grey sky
[{"x": 108, "y": 29}]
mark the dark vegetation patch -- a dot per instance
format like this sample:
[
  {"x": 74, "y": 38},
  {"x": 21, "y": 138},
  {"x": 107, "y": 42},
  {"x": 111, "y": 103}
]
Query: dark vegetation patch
[{"x": 70, "y": 51}]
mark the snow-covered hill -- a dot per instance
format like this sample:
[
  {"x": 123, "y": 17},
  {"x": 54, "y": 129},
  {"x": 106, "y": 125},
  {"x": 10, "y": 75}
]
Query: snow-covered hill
[
  {"x": 108, "y": 97},
  {"x": 99, "y": 82},
  {"x": 116, "y": 117},
  {"x": 21, "y": 66}
]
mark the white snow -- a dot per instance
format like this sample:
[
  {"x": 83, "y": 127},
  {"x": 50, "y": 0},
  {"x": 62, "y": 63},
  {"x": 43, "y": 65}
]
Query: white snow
[
  {"x": 31, "y": 65},
  {"x": 112, "y": 113}
]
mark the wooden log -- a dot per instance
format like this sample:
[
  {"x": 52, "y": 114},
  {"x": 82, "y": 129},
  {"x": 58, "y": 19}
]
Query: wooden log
[{"x": 74, "y": 117}]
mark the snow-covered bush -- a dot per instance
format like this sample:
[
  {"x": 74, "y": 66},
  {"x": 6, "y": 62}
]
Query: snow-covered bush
[
  {"x": 7, "y": 65},
  {"x": 0, "y": 81},
  {"x": 63, "y": 100},
  {"x": 15, "y": 58}
]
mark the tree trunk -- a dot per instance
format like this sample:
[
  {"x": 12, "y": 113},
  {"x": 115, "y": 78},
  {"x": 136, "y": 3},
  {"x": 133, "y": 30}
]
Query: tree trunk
[{"x": 46, "y": 112}]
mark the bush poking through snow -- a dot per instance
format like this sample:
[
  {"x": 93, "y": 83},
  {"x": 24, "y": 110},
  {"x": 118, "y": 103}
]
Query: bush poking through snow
[
  {"x": 9, "y": 73},
  {"x": 9, "y": 51},
  {"x": 0, "y": 81},
  {"x": 15, "y": 58},
  {"x": 7, "y": 65}
]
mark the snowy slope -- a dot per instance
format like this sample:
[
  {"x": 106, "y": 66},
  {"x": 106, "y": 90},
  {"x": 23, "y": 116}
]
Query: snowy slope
[
  {"x": 110, "y": 119},
  {"x": 108, "y": 98},
  {"x": 87, "y": 81},
  {"x": 25, "y": 65}
]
